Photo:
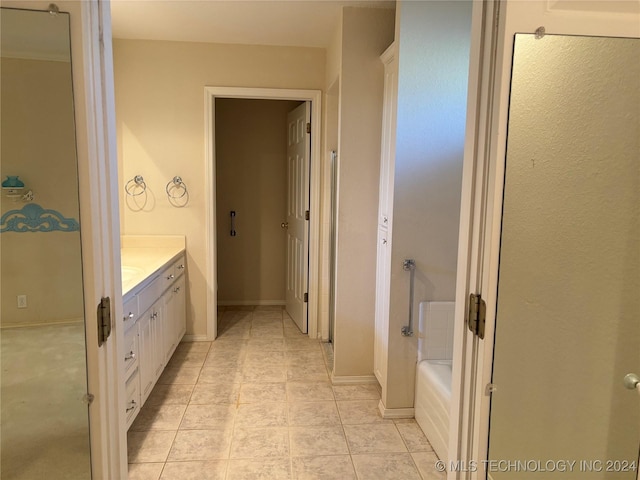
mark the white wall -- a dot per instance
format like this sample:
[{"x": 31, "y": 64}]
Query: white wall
[
  {"x": 433, "y": 50},
  {"x": 160, "y": 120},
  {"x": 366, "y": 33}
]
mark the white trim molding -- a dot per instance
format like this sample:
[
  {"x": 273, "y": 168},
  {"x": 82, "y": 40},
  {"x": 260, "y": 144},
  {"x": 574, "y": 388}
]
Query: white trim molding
[
  {"x": 394, "y": 413},
  {"x": 313, "y": 96},
  {"x": 194, "y": 338},
  {"x": 266, "y": 303},
  {"x": 101, "y": 246},
  {"x": 353, "y": 379}
]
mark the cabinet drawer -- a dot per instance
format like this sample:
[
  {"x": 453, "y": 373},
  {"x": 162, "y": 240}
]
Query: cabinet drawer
[
  {"x": 167, "y": 277},
  {"x": 130, "y": 312},
  {"x": 150, "y": 294},
  {"x": 179, "y": 266},
  {"x": 131, "y": 350},
  {"x": 173, "y": 271},
  {"x": 133, "y": 397}
]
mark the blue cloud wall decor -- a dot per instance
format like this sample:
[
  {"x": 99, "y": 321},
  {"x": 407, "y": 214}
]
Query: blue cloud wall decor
[{"x": 33, "y": 218}]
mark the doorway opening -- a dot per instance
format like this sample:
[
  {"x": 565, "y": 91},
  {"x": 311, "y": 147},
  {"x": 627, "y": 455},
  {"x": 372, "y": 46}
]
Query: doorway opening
[{"x": 243, "y": 280}]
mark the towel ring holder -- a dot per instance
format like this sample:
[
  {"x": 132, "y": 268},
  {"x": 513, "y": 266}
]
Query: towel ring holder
[
  {"x": 136, "y": 182},
  {"x": 174, "y": 187}
]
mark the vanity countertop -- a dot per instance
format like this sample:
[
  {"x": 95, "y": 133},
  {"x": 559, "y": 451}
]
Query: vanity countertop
[{"x": 144, "y": 255}]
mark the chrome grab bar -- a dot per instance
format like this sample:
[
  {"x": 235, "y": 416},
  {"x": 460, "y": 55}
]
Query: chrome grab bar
[{"x": 409, "y": 265}]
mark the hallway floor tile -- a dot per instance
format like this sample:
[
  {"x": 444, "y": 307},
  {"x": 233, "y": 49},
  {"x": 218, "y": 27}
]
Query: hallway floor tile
[{"x": 257, "y": 403}]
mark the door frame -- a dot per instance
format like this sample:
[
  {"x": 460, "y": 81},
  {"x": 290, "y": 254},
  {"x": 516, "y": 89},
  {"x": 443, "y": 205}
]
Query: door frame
[
  {"x": 100, "y": 231},
  {"x": 494, "y": 26},
  {"x": 95, "y": 128},
  {"x": 313, "y": 96}
]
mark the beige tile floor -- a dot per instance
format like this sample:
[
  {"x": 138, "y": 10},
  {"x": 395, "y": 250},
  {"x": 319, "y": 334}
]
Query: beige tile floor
[{"x": 257, "y": 403}]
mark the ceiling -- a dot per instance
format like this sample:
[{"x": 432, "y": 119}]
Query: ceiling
[{"x": 304, "y": 23}]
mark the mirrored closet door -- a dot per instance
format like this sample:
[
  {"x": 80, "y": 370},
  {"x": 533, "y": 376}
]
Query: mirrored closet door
[
  {"x": 567, "y": 329},
  {"x": 44, "y": 420}
]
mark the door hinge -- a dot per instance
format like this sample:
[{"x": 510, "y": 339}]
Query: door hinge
[
  {"x": 306, "y": 298},
  {"x": 306, "y": 215},
  {"x": 104, "y": 320},
  {"x": 490, "y": 388},
  {"x": 308, "y": 127},
  {"x": 477, "y": 315},
  {"x": 88, "y": 398}
]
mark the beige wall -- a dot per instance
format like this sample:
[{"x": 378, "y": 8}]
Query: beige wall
[
  {"x": 38, "y": 144},
  {"x": 159, "y": 92},
  {"x": 433, "y": 52},
  {"x": 366, "y": 33},
  {"x": 251, "y": 179}
]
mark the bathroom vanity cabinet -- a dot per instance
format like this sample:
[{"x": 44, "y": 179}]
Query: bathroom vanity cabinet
[{"x": 154, "y": 317}]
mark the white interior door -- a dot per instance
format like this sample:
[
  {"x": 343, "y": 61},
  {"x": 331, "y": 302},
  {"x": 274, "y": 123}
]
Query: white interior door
[{"x": 298, "y": 153}]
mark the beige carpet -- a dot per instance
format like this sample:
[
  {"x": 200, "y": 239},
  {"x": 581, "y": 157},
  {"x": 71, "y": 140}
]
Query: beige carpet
[{"x": 44, "y": 426}]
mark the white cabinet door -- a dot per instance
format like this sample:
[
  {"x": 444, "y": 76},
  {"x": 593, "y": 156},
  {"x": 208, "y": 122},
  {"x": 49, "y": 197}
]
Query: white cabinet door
[
  {"x": 168, "y": 327},
  {"x": 174, "y": 321},
  {"x": 381, "y": 335},
  {"x": 388, "y": 146},
  {"x": 158, "y": 342},
  {"x": 180, "y": 313},
  {"x": 145, "y": 344},
  {"x": 151, "y": 348}
]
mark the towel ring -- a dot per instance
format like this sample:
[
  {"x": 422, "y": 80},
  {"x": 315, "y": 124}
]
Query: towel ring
[
  {"x": 174, "y": 187},
  {"x": 136, "y": 182}
]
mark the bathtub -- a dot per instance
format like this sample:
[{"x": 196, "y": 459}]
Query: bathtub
[{"x": 433, "y": 373}]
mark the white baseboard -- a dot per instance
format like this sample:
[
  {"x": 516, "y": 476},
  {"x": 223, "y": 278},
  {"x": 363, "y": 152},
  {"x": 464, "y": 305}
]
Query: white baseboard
[
  {"x": 232, "y": 303},
  {"x": 396, "y": 412},
  {"x": 195, "y": 338},
  {"x": 353, "y": 379}
]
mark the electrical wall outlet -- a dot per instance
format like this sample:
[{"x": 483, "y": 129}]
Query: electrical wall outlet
[{"x": 22, "y": 301}]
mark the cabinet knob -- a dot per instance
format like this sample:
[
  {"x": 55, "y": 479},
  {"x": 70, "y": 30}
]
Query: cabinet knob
[
  {"x": 385, "y": 219},
  {"x": 129, "y": 317},
  {"x": 132, "y": 407},
  {"x": 176, "y": 290},
  {"x": 384, "y": 241},
  {"x": 180, "y": 267},
  {"x": 130, "y": 356},
  {"x": 171, "y": 277}
]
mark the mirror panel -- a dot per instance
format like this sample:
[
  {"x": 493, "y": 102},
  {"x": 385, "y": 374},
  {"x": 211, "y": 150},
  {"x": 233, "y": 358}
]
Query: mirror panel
[
  {"x": 567, "y": 329},
  {"x": 44, "y": 428}
]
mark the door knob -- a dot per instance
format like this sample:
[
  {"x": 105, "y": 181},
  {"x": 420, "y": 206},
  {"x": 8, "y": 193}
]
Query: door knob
[
  {"x": 284, "y": 225},
  {"x": 632, "y": 381}
]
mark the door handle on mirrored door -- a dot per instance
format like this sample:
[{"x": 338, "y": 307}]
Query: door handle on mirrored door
[
  {"x": 284, "y": 225},
  {"x": 632, "y": 381}
]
